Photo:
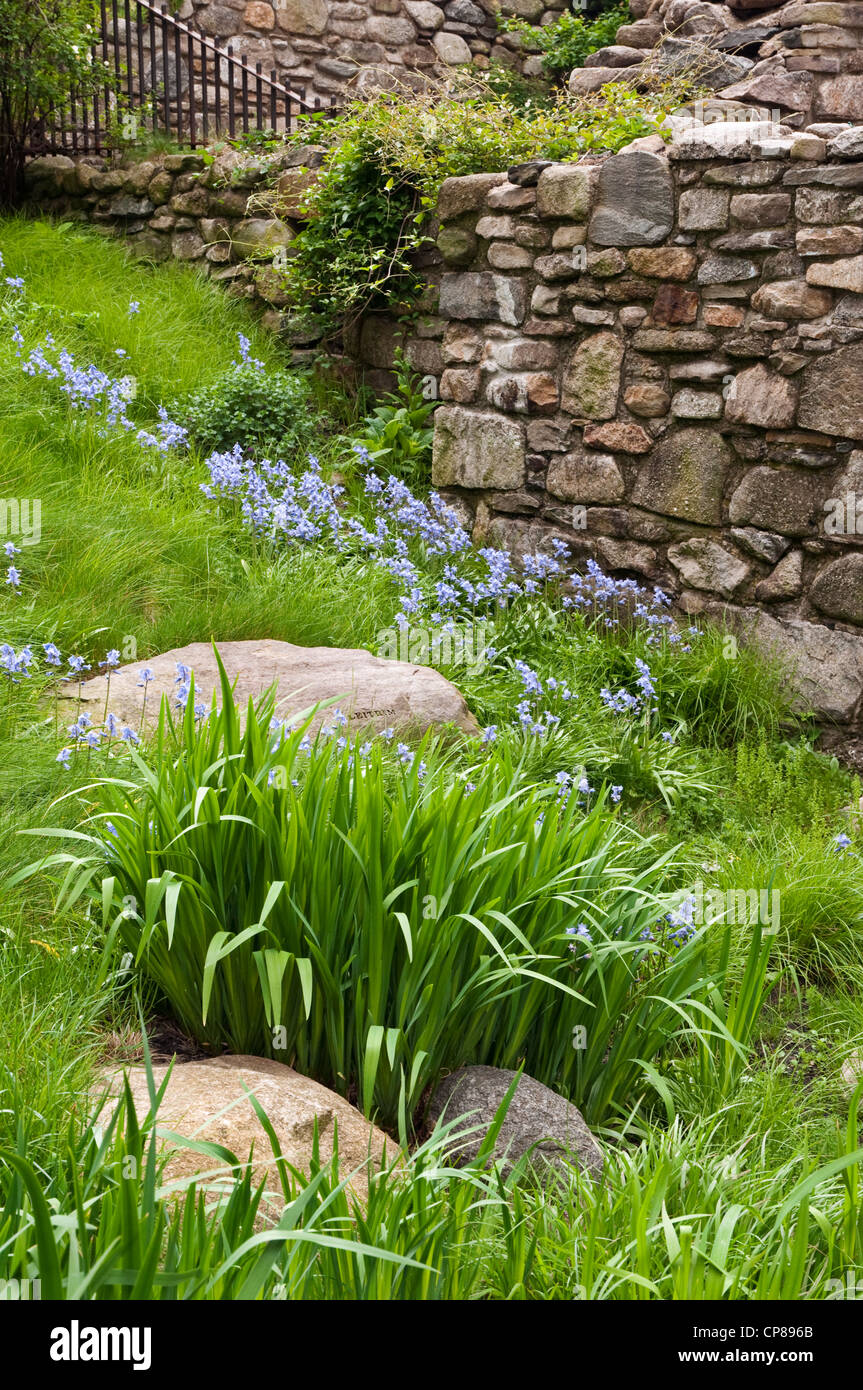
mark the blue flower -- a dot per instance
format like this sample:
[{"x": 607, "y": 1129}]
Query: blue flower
[{"x": 842, "y": 841}]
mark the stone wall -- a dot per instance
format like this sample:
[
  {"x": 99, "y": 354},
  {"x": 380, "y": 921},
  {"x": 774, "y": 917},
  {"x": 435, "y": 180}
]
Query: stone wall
[
  {"x": 804, "y": 58},
  {"x": 330, "y": 46},
  {"x": 178, "y": 206},
  {"x": 657, "y": 357},
  {"x": 230, "y": 219}
]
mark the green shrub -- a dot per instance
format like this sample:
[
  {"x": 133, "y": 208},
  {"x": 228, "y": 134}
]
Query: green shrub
[
  {"x": 378, "y": 926},
  {"x": 567, "y": 42},
  {"x": 250, "y": 407}
]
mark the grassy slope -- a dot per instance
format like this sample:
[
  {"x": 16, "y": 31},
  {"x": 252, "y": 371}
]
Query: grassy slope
[{"x": 130, "y": 549}]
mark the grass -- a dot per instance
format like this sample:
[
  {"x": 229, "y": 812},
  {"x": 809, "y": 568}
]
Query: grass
[{"x": 718, "y": 1181}]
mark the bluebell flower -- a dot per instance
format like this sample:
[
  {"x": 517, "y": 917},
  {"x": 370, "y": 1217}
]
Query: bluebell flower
[{"x": 842, "y": 841}]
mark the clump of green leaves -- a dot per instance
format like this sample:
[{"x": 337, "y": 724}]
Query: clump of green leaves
[
  {"x": 566, "y": 43},
  {"x": 398, "y": 434},
  {"x": 380, "y": 929},
  {"x": 250, "y": 407}
]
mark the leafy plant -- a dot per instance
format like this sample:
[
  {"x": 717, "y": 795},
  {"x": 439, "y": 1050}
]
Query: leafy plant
[
  {"x": 398, "y": 433},
  {"x": 566, "y": 42},
  {"x": 44, "y": 53},
  {"x": 378, "y": 928},
  {"x": 250, "y": 407}
]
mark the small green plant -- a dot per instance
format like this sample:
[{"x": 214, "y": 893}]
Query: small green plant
[
  {"x": 398, "y": 433},
  {"x": 249, "y": 407},
  {"x": 567, "y": 42}
]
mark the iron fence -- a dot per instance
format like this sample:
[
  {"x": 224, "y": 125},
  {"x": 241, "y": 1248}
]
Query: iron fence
[{"x": 164, "y": 77}]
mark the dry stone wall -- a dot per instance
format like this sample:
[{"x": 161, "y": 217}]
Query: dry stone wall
[
  {"x": 332, "y": 46},
  {"x": 181, "y": 207},
  {"x": 658, "y": 359},
  {"x": 803, "y": 59}
]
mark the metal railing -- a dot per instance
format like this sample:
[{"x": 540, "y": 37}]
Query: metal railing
[{"x": 164, "y": 77}]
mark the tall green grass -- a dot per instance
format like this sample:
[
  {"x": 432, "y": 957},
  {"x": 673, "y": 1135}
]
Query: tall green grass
[
  {"x": 675, "y": 1218},
  {"x": 379, "y": 928}
]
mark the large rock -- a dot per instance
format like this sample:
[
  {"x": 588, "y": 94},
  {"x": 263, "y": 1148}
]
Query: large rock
[
  {"x": 582, "y": 476},
  {"x": 840, "y": 98},
  {"x": 374, "y": 693},
  {"x": 465, "y": 193},
  {"x": 685, "y": 476},
  {"x": 845, "y": 274},
  {"x": 778, "y": 499},
  {"x": 635, "y": 201},
  {"x": 424, "y": 14},
  {"x": 481, "y": 295},
  {"x": 838, "y": 589},
  {"x": 680, "y": 55},
  {"x": 761, "y": 397},
  {"x": 704, "y": 564},
  {"x": 451, "y": 49},
  {"x": 824, "y": 667},
  {"x": 207, "y": 1101},
  {"x": 538, "y": 1121},
  {"x": 564, "y": 190},
  {"x": 591, "y": 381},
  {"x": 300, "y": 16},
  {"x": 477, "y": 450},
  {"x": 789, "y": 89},
  {"x": 259, "y": 236},
  {"x": 831, "y": 398},
  {"x": 791, "y": 300}
]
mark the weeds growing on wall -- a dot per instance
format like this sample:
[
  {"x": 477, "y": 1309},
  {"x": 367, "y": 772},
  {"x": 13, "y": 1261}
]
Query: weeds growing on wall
[
  {"x": 387, "y": 156},
  {"x": 566, "y": 43}
]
